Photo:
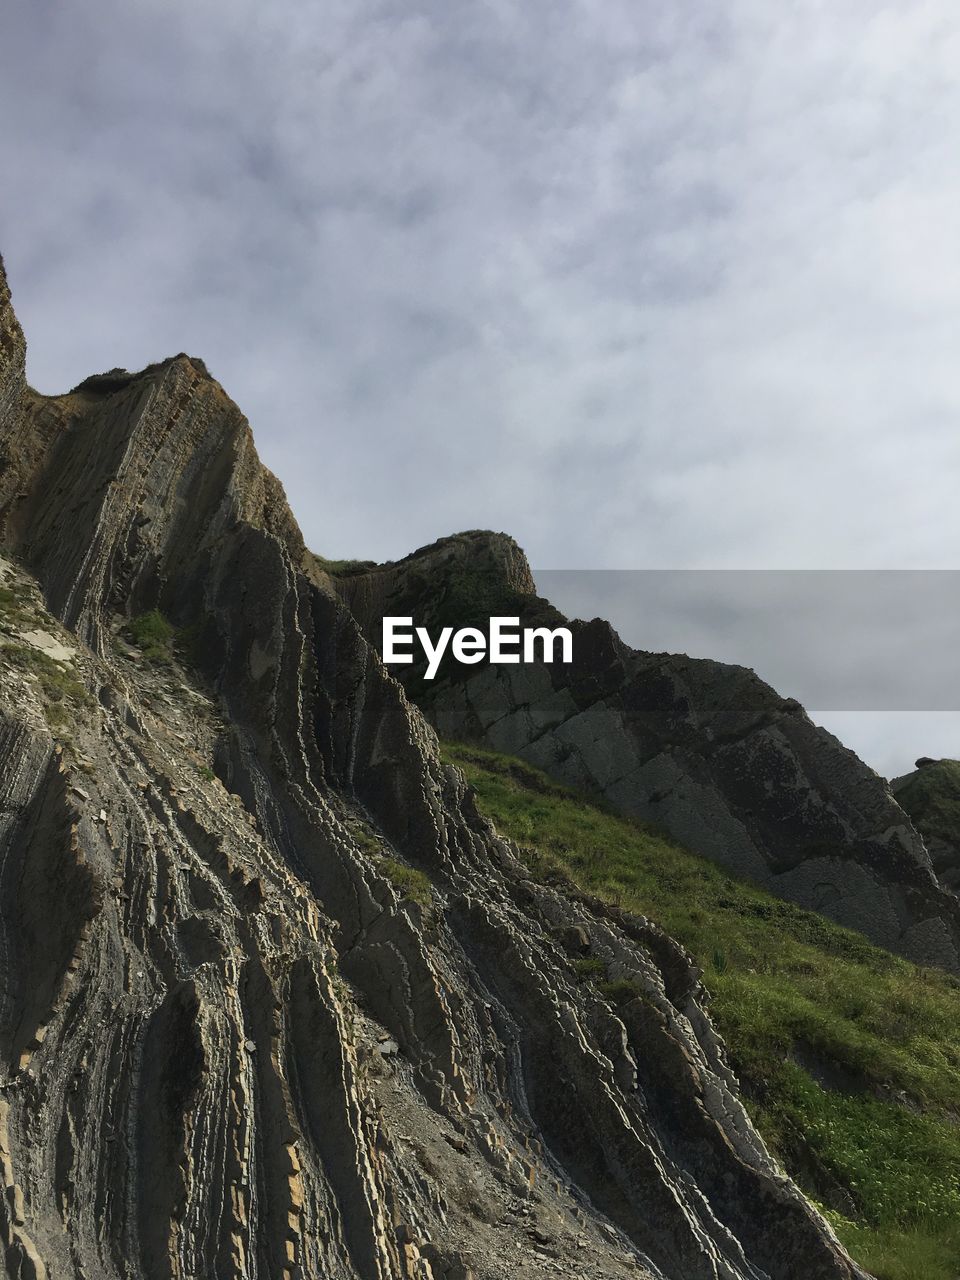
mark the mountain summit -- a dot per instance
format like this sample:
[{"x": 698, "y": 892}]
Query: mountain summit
[
  {"x": 703, "y": 750},
  {"x": 275, "y": 999}
]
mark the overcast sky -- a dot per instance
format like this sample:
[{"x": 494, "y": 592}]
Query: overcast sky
[{"x": 646, "y": 286}]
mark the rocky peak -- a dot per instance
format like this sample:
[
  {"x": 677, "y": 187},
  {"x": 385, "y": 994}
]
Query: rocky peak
[
  {"x": 464, "y": 578},
  {"x": 274, "y": 999},
  {"x": 165, "y": 462},
  {"x": 114, "y": 380},
  {"x": 704, "y": 750},
  {"x": 480, "y": 552}
]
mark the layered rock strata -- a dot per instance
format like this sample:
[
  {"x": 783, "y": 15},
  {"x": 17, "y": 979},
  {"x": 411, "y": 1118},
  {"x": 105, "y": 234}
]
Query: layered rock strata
[
  {"x": 703, "y": 750},
  {"x": 275, "y": 1001}
]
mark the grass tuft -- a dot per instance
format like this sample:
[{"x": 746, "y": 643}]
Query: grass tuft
[
  {"x": 17, "y": 607},
  {"x": 342, "y": 568},
  {"x": 621, "y": 991},
  {"x": 153, "y": 634},
  {"x": 61, "y": 689},
  {"x": 589, "y": 968},
  {"x": 411, "y": 883}
]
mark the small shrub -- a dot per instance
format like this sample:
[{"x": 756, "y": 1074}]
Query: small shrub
[
  {"x": 366, "y": 839},
  {"x": 621, "y": 991},
  {"x": 8, "y": 602},
  {"x": 589, "y": 968},
  {"x": 153, "y": 634},
  {"x": 56, "y": 715},
  {"x": 412, "y": 884},
  {"x": 343, "y": 568}
]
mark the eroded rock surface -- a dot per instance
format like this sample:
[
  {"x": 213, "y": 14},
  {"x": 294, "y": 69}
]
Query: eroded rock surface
[
  {"x": 234, "y": 1041},
  {"x": 931, "y": 796},
  {"x": 702, "y": 749}
]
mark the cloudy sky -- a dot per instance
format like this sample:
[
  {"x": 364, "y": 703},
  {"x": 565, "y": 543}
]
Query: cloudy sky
[{"x": 647, "y": 286}]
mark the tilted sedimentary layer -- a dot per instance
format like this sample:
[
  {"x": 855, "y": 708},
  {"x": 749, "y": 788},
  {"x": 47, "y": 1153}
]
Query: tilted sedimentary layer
[
  {"x": 275, "y": 1001},
  {"x": 703, "y": 749}
]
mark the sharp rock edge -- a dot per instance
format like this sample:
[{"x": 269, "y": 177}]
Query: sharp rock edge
[
  {"x": 702, "y": 749},
  {"x": 231, "y": 1046}
]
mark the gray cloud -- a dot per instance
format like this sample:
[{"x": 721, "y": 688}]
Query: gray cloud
[
  {"x": 873, "y": 654},
  {"x": 647, "y": 286}
]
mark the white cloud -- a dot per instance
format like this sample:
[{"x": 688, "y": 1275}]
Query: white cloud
[{"x": 644, "y": 285}]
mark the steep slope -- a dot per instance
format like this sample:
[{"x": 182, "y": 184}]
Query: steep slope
[
  {"x": 276, "y": 1000},
  {"x": 705, "y": 750},
  {"x": 931, "y": 796},
  {"x": 847, "y": 1055}
]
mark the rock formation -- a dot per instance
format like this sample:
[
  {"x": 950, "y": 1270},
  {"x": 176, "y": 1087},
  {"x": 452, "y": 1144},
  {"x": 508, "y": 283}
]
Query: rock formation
[
  {"x": 275, "y": 1001},
  {"x": 704, "y": 750},
  {"x": 931, "y": 796}
]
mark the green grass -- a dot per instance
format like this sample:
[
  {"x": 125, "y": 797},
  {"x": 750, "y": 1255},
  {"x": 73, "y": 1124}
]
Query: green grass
[
  {"x": 57, "y": 684},
  {"x": 342, "y": 568},
  {"x": 410, "y": 882},
  {"x": 17, "y": 608},
  {"x": 849, "y": 1057},
  {"x": 589, "y": 968},
  {"x": 365, "y": 836},
  {"x": 160, "y": 641},
  {"x": 153, "y": 635},
  {"x": 621, "y": 991},
  {"x": 900, "y": 1253}
]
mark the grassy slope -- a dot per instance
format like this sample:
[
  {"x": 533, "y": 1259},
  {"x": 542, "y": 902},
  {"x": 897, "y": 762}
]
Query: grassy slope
[{"x": 849, "y": 1056}]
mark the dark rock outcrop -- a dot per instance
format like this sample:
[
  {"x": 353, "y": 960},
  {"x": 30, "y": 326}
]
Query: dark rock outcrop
[
  {"x": 704, "y": 750},
  {"x": 235, "y": 1043},
  {"x": 931, "y": 796}
]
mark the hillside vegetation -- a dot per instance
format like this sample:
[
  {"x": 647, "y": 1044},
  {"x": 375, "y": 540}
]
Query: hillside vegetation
[{"x": 849, "y": 1057}]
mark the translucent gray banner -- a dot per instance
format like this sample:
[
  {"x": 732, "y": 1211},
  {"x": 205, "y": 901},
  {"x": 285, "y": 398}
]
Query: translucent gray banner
[{"x": 838, "y": 640}]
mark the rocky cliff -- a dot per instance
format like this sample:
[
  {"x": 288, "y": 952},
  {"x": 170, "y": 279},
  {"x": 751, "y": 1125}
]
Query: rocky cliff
[
  {"x": 706, "y": 751},
  {"x": 931, "y": 796},
  {"x": 275, "y": 1001}
]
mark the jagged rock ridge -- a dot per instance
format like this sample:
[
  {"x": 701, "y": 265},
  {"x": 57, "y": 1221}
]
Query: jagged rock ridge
[
  {"x": 703, "y": 749},
  {"x": 234, "y": 1045}
]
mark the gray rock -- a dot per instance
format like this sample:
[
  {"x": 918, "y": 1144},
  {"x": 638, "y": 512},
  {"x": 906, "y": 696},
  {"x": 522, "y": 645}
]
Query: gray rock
[
  {"x": 147, "y": 1140},
  {"x": 703, "y": 750}
]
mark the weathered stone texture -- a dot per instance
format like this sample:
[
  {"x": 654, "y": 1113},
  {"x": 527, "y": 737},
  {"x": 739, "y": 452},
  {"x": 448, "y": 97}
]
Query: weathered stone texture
[
  {"x": 703, "y": 750},
  {"x": 232, "y": 1046}
]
